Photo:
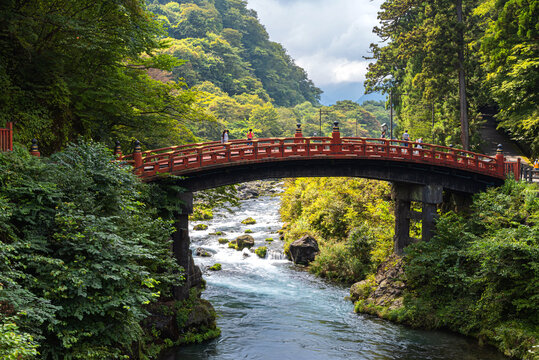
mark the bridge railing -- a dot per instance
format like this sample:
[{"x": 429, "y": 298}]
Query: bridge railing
[
  {"x": 6, "y": 138},
  {"x": 185, "y": 158}
]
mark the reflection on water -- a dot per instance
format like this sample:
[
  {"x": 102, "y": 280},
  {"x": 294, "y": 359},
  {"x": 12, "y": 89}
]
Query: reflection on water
[{"x": 269, "y": 310}]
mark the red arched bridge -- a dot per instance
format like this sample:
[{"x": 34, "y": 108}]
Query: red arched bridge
[
  {"x": 423, "y": 173},
  {"x": 212, "y": 164}
]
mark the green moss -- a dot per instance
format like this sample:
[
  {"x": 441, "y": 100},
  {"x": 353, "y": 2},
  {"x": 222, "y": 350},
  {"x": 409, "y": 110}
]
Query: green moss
[
  {"x": 269, "y": 239},
  {"x": 248, "y": 231},
  {"x": 261, "y": 252},
  {"x": 215, "y": 267},
  {"x": 249, "y": 221},
  {"x": 200, "y": 227},
  {"x": 222, "y": 240},
  {"x": 233, "y": 244},
  {"x": 201, "y": 214},
  {"x": 218, "y": 233}
]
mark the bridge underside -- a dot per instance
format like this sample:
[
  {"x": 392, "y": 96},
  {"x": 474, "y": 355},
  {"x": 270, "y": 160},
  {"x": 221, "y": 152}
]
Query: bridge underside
[
  {"x": 394, "y": 171},
  {"x": 411, "y": 183}
]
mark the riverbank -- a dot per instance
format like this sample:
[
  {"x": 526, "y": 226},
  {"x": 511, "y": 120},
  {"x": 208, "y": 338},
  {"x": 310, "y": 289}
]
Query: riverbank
[
  {"x": 477, "y": 277},
  {"x": 268, "y": 308}
]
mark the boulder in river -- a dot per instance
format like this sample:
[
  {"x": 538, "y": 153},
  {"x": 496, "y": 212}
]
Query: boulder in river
[
  {"x": 304, "y": 250},
  {"x": 249, "y": 221},
  {"x": 202, "y": 252},
  {"x": 244, "y": 241},
  {"x": 199, "y": 227}
]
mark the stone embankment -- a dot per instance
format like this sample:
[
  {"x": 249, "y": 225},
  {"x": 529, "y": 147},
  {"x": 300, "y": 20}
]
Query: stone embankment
[{"x": 384, "y": 291}]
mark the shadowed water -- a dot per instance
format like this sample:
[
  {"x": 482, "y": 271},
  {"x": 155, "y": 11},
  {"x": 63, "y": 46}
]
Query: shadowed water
[{"x": 269, "y": 309}]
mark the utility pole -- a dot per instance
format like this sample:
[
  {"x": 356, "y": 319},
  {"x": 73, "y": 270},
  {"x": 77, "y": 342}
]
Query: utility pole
[
  {"x": 464, "y": 127},
  {"x": 391, "y": 114},
  {"x": 320, "y": 119},
  {"x": 432, "y": 114}
]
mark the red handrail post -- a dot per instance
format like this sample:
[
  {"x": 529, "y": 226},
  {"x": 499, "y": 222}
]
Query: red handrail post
[
  {"x": 517, "y": 170},
  {"x": 500, "y": 161},
  {"x": 137, "y": 157},
  {"x": 336, "y": 138},
  {"x": 10, "y": 136},
  {"x": 118, "y": 151},
  {"x": 298, "y": 135}
]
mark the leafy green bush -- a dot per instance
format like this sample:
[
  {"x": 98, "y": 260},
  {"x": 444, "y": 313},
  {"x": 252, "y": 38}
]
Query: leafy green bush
[
  {"x": 81, "y": 252},
  {"x": 480, "y": 275},
  {"x": 351, "y": 218},
  {"x": 14, "y": 344}
]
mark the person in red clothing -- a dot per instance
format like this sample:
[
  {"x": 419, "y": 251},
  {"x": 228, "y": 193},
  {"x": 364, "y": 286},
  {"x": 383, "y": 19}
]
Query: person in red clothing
[{"x": 250, "y": 136}]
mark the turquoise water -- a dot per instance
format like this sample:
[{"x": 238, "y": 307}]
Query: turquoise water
[{"x": 269, "y": 309}]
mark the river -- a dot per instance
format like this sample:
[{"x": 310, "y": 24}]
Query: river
[{"x": 269, "y": 309}]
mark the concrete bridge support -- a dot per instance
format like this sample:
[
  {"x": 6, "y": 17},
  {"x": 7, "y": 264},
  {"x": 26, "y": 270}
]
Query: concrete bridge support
[
  {"x": 403, "y": 194},
  {"x": 180, "y": 248}
]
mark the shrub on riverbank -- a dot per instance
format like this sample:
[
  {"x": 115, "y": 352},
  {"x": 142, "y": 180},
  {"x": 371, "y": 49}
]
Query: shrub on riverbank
[
  {"x": 480, "y": 274},
  {"x": 80, "y": 253},
  {"x": 352, "y": 219}
]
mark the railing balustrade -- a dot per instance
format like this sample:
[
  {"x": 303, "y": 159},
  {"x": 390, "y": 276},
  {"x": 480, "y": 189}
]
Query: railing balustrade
[{"x": 192, "y": 157}]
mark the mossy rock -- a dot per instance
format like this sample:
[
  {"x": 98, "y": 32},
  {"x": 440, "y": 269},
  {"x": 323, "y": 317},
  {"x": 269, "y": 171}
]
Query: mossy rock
[
  {"x": 233, "y": 244},
  {"x": 243, "y": 241},
  {"x": 261, "y": 252},
  {"x": 218, "y": 233},
  {"x": 249, "y": 221},
  {"x": 215, "y": 267},
  {"x": 248, "y": 231},
  {"x": 222, "y": 240},
  {"x": 269, "y": 239},
  {"x": 201, "y": 214},
  {"x": 200, "y": 227}
]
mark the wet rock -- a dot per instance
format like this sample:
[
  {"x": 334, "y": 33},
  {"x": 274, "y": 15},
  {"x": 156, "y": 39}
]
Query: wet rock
[
  {"x": 244, "y": 241},
  {"x": 200, "y": 227},
  {"x": 249, "y": 221},
  {"x": 361, "y": 290},
  {"x": 386, "y": 289},
  {"x": 304, "y": 250},
  {"x": 202, "y": 252}
]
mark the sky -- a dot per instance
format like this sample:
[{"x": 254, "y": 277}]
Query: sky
[{"x": 327, "y": 38}]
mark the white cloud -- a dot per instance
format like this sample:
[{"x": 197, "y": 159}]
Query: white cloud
[{"x": 327, "y": 38}]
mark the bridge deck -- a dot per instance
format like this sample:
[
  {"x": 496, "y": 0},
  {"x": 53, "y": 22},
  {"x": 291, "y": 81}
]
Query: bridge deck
[{"x": 189, "y": 159}]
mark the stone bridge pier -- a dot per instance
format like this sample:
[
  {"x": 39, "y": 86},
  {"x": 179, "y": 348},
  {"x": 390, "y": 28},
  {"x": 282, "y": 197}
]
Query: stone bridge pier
[
  {"x": 430, "y": 196},
  {"x": 180, "y": 248}
]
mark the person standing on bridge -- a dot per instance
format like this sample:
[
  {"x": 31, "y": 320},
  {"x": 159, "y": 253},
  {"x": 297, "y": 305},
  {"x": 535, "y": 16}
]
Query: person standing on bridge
[
  {"x": 406, "y": 136},
  {"x": 250, "y": 136},
  {"x": 224, "y": 136}
]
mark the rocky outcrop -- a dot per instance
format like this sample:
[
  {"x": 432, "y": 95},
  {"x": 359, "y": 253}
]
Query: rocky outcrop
[
  {"x": 202, "y": 252},
  {"x": 304, "y": 250},
  {"x": 244, "y": 241},
  {"x": 254, "y": 189},
  {"x": 385, "y": 290}
]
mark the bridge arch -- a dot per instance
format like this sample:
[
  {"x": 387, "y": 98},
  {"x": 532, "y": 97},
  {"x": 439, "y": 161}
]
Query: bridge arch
[{"x": 420, "y": 173}]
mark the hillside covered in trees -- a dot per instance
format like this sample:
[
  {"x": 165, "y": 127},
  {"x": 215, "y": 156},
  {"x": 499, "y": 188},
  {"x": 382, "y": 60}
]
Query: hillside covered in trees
[{"x": 226, "y": 45}]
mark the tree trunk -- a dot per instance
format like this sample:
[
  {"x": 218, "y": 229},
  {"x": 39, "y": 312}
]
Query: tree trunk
[{"x": 464, "y": 131}]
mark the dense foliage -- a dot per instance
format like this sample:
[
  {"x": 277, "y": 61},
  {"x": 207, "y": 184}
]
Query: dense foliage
[
  {"x": 72, "y": 68},
  {"x": 352, "y": 220},
  {"x": 226, "y": 45},
  {"x": 480, "y": 274},
  {"x": 431, "y": 55},
  {"x": 80, "y": 254}
]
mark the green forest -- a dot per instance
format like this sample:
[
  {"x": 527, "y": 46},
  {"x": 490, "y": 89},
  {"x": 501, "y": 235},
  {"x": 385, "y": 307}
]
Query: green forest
[
  {"x": 455, "y": 60},
  {"x": 85, "y": 254}
]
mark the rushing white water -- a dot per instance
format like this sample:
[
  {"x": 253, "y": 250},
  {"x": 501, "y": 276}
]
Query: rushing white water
[{"x": 270, "y": 309}]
